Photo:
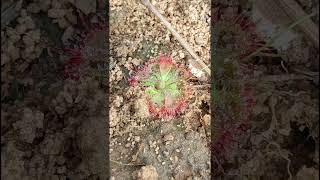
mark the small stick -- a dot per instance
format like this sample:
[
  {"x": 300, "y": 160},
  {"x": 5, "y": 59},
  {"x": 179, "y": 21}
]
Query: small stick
[
  {"x": 177, "y": 36},
  {"x": 284, "y": 67}
]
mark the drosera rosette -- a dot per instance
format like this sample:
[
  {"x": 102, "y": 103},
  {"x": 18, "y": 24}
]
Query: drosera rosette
[
  {"x": 85, "y": 45},
  {"x": 165, "y": 86}
]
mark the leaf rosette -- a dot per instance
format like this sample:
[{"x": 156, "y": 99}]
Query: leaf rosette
[{"x": 165, "y": 86}]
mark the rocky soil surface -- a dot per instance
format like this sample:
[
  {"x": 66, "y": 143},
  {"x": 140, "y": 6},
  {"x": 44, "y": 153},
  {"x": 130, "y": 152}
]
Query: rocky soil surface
[
  {"x": 172, "y": 149},
  {"x": 52, "y": 127}
]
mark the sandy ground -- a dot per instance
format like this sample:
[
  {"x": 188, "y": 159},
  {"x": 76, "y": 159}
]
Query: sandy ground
[{"x": 177, "y": 148}]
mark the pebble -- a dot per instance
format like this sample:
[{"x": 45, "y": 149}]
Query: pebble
[
  {"x": 176, "y": 158},
  {"x": 168, "y": 137},
  {"x": 181, "y": 55},
  {"x": 137, "y": 139},
  {"x": 199, "y": 40},
  {"x": 166, "y": 153}
]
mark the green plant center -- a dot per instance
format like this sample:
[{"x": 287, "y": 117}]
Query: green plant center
[{"x": 163, "y": 87}]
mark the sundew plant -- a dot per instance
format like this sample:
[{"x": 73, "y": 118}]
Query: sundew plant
[{"x": 165, "y": 86}]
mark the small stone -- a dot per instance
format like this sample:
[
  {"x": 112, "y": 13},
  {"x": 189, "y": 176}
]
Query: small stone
[
  {"x": 63, "y": 23},
  {"x": 44, "y": 4},
  {"x": 181, "y": 55},
  {"x": 206, "y": 119},
  {"x": 137, "y": 139},
  {"x": 168, "y": 137},
  {"x": 67, "y": 35},
  {"x": 33, "y": 8},
  {"x": 166, "y": 153},
  {"x": 56, "y": 13},
  {"x": 60, "y": 160},
  {"x": 147, "y": 173},
  {"x": 118, "y": 102},
  {"x": 71, "y": 17},
  {"x": 175, "y": 158},
  {"x": 199, "y": 40},
  {"x": 21, "y": 28},
  {"x": 61, "y": 170}
]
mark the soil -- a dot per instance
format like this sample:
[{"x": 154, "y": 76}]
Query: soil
[
  {"x": 176, "y": 148},
  {"x": 48, "y": 121}
]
